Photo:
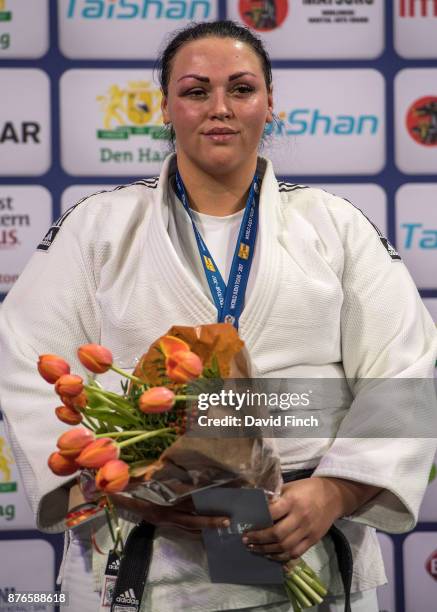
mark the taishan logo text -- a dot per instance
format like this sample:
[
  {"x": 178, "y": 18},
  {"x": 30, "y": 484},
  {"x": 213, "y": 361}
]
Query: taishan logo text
[{"x": 139, "y": 9}]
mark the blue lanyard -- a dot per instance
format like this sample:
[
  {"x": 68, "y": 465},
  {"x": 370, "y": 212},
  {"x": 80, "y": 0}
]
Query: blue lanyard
[{"x": 229, "y": 300}]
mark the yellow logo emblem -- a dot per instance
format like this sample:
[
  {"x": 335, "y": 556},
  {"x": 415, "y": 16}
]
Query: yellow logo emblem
[
  {"x": 6, "y": 460},
  {"x": 133, "y": 110},
  {"x": 209, "y": 264},
  {"x": 243, "y": 251}
]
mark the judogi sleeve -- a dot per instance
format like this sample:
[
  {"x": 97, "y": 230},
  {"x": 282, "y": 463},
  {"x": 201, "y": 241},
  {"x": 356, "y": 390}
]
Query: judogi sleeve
[
  {"x": 50, "y": 309},
  {"x": 389, "y": 348}
]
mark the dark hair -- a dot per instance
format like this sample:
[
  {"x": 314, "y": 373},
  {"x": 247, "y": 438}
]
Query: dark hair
[{"x": 218, "y": 29}]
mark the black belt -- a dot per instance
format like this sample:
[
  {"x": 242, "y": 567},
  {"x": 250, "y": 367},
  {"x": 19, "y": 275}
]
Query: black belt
[{"x": 137, "y": 555}]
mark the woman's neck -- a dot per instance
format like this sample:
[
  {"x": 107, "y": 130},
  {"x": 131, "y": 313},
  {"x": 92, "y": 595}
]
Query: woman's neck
[{"x": 216, "y": 195}]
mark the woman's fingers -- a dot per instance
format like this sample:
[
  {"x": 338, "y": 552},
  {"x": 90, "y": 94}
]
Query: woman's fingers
[
  {"x": 168, "y": 515},
  {"x": 194, "y": 522}
]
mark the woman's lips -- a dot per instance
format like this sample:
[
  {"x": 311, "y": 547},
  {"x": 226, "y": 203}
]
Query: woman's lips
[{"x": 221, "y": 137}]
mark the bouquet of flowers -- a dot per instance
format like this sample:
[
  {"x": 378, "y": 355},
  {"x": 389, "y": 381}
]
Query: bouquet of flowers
[{"x": 136, "y": 441}]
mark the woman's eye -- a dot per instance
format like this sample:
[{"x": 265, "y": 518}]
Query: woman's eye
[
  {"x": 195, "y": 93},
  {"x": 243, "y": 89}
]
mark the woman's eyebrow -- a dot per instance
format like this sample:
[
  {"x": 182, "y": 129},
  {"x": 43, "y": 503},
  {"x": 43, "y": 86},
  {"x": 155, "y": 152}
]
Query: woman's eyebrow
[{"x": 205, "y": 79}]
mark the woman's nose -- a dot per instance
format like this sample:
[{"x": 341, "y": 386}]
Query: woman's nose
[{"x": 220, "y": 106}]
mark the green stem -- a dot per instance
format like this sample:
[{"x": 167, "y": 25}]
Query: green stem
[
  {"x": 185, "y": 398},
  {"x": 144, "y": 436},
  {"x": 115, "y": 434},
  {"x": 301, "y": 598},
  {"x": 314, "y": 583},
  {"x": 134, "y": 379},
  {"x": 307, "y": 590}
]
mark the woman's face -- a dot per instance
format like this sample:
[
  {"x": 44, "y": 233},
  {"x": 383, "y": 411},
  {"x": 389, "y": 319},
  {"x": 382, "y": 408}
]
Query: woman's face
[{"x": 218, "y": 104}]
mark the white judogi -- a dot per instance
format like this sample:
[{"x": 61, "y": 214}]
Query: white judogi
[{"x": 327, "y": 300}]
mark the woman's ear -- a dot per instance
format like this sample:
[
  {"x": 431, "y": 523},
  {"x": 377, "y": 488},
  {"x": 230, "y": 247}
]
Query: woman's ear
[
  {"x": 164, "y": 110},
  {"x": 269, "y": 117}
]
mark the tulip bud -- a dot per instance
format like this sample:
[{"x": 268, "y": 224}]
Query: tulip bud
[
  {"x": 72, "y": 442},
  {"x": 51, "y": 367},
  {"x": 69, "y": 385},
  {"x": 183, "y": 366},
  {"x": 171, "y": 344},
  {"x": 68, "y": 415},
  {"x": 113, "y": 476},
  {"x": 95, "y": 358},
  {"x": 78, "y": 402},
  {"x": 98, "y": 453},
  {"x": 62, "y": 466},
  {"x": 156, "y": 399}
]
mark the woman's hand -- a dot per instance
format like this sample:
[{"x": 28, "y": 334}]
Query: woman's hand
[
  {"x": 182, "y": 515},
  {"x": 304, "y": 513}
]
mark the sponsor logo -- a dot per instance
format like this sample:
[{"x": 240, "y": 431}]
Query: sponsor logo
[
  {"x": 10, "y": 222},
  {"x": 340, "y": 11},
  {"x": 421, "y": 121},
  {"x": 417, "y": 8},
  {"x": 114, "y": 565},
  {"x": 338, "y": 2},
  {"x": 128, "y": 597},
  {"x": 263, "y": 15},
  {"x": 6, "y": 460},
  {"x": 48, "y": 239},
  {"x": 431, "y": 565},
  {"x": 5, "y": 37},
  {"x": 313, "y": 122},
  {"x": 7, "y": 512},
  {"x": 243, "y": 252},
  {"x": 418, "y": 237},
  {"x": 20, "y": 133},
  {"x": 134, "y": 110},
  {"x": 390, "y": 249},
  {"x": 5, "y": 15},
  {"x": 139, "y": 9},
  {"x": 209, "y": 264}
]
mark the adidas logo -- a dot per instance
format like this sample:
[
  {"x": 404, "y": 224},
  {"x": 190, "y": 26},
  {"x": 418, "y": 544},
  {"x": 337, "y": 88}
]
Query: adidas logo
[
  {"x": 128, "y": 597},
  {"x": 115, "y": 565}
]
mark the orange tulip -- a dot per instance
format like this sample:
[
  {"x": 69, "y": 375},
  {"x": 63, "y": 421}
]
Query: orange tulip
[
  {"x": 113, "y": 476},
  {"x": 78, "y": 402},
  {"x": 156, "y": 399},
  {"x": 95, "y": 358},
  {"x": 68, "y": 415},
  {"x": 51, "y": 367},
  {"x": 183, "y": 366},
  {"x": 98, "y": 453},
  {"x": 62, "y": 466},
  {"x": 171, "y": 344},
  {"x": 72, "y": 442},
  {"x": 69, "y": 385}
]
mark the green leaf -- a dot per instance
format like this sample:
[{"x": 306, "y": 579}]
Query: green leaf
[
  {"x": 433, "y": 473},
  {"x": 110, "y": 417}
]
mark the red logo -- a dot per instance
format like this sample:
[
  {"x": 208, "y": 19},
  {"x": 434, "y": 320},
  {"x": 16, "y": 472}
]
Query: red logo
[
  {"x": 263, "y": 15},
  {"x": 418, "y": 8},
  {"x": 431, "y": 565},
  {"x": 421, "y": 121}
]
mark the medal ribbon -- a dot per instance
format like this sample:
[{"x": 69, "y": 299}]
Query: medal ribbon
[{"x": 229, "y": 300}]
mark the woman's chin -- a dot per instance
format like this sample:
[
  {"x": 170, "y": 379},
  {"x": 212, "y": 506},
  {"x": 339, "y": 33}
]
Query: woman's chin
[{"x": 222, "y": 162}]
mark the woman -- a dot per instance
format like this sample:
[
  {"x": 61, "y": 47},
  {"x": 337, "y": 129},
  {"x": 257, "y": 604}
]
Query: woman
[{"x": 325, "y": 298}]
